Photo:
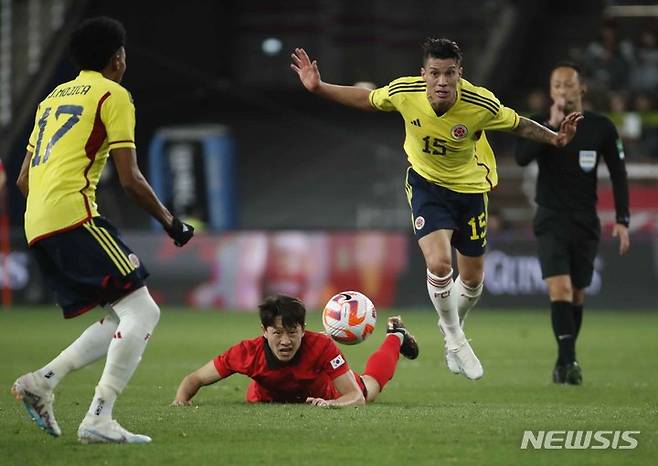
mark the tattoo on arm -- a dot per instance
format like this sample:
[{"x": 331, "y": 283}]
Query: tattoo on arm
[{"x": 530, "y": 129}]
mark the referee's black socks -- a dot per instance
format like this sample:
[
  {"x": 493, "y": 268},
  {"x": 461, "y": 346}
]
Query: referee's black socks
[
  {"x": 577, "y": 317},
  {"x": 564, "y": 329}
]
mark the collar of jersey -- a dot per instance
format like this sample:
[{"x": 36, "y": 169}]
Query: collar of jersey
[
  {"x": 274, "y": 363},
  {"x": 96, "y": 74}
]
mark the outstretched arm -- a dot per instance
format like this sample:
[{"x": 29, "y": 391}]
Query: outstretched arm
[
  {"x": 309, "y": 75},
  {"x": 532, "y": 130},
  {"x": 134, "y": 183},
  {"x": 351, "y": 394},
  {"x": 191, "y": 383}
]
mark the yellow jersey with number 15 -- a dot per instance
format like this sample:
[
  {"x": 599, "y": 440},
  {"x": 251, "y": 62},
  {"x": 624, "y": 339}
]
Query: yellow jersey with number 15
[
  {"x": 450, "y": 150},
  {"x": 75, "y": 127}
]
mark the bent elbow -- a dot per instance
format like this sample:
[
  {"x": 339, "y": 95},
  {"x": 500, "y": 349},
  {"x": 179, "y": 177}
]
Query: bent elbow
[
  {"x": 187, "y": 381},
  {"x": 130, "y": 185},
  {"x": 358, "y": 400}
]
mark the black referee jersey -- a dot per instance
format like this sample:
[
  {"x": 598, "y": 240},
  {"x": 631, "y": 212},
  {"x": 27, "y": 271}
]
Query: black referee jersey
[{"x": 567, "y": 176}]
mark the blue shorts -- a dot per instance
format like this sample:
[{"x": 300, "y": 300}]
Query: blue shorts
[
  {"x": 88, "y": 266},
  {"x": 437, "y": 208}
]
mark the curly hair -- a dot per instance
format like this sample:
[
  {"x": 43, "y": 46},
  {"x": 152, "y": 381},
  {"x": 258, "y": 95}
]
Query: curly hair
[{"x": 95, "y": 41}]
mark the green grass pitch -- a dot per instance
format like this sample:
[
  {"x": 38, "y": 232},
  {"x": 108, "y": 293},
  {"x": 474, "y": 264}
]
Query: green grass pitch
[{"x": 425, "y": 416}]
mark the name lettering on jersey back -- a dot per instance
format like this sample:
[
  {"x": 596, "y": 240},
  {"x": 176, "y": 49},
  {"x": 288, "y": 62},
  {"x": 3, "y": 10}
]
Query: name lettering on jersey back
[
  {"x": 337, "y": 361},
  {"x": 68, "y": 91}
]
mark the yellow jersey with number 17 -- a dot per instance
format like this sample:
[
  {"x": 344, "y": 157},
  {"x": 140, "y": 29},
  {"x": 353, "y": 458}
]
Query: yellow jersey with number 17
[
  {"x": 75, "y": 127},
  {"x": 450, "y": 150}
]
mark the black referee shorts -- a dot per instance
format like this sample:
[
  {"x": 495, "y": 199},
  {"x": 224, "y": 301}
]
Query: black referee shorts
[
  {"x": 567, "y": 243},
  {"x": 435, "y": 208},
  {"x": 88, "y": 266}
]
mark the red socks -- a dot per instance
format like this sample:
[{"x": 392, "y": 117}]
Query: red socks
[{"x": 382, "y": 363}]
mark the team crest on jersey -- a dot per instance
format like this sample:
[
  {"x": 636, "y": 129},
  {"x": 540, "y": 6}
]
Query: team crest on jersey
[
  {"x": 587, "y": 160},
  {"x": 134, "y": 260},
  {"x": 459, "y": 131},
  {"x": 419, "y": 223},
  {"x": 337, "y": 362}
]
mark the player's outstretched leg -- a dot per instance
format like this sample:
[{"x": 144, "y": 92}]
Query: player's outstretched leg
[
  {"x": 409, "y": 347},
  {"x": 381, "y": 364},
  {"x": 138, "y": 315},
  {"x": 38, "y": 399},
  {"x": 36, "y": 388}
]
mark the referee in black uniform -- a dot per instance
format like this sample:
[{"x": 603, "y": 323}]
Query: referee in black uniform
[{"x": 566, "y": 224}]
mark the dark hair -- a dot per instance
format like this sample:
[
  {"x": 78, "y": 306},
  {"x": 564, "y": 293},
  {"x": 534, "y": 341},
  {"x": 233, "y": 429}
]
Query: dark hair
[
  {"x": 567, "y": 64},
  {"x": 573, "y": 66},
  {"x": 441, "y": 48},
  {"x": 291, "y": 310},
  {"x": 95, "y": 41}
]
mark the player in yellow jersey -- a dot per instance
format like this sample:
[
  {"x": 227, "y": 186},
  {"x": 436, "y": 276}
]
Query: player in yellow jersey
[
  {"x": 80, "y": 253},
  {"x": 452, "y": 167}
]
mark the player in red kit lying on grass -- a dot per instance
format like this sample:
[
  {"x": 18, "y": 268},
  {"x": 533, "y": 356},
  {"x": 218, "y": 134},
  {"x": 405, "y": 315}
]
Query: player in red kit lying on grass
[{"x": 289, "y": 364}]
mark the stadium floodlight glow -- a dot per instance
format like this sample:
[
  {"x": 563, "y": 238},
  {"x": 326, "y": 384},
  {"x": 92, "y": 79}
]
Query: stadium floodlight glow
[{"x": 272, "y": 46}]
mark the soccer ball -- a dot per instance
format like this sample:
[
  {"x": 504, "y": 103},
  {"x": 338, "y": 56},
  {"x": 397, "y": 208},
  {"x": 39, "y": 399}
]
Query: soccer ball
[{"x": 349, "y": 317}]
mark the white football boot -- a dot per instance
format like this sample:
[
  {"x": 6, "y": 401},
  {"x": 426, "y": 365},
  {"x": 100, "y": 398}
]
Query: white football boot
[
  {"x": 469, "y": 364},
  {"x": 107, "y": 431},
  {"x": 451, "y": 360},
  {"x": 38, "y": 402}
]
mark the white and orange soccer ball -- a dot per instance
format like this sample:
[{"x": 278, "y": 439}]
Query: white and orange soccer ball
[{"x": 349, "y": 317}]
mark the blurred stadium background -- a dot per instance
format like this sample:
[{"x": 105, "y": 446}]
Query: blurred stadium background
[{"x": 298, "y": 195}]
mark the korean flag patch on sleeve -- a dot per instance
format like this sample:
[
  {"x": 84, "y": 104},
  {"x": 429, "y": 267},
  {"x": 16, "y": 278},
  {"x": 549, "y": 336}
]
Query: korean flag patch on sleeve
[{"x": 337, "y": 361}]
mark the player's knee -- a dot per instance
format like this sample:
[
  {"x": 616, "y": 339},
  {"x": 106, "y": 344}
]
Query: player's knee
[
  {"x": 560, "y": 292},
  {"x": 578, "y": 296},
  {"x": 373, "y": 387},
  {"x": 474, "y": 283},
  {"x": 439, "y": 266},
  {"x": 110, "y": 319},
  {"x": 151, "y": 311},
  {"x": 140, "y": 307},
  {"x": 471, "y": 278}
]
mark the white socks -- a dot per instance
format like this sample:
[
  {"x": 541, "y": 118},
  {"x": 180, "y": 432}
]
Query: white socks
[
  {"x": 444, "y": 298},
  {"x": 89, "y": 347},
  {"x": 467, "y": 297},
  {"x": 138, "y": 315}
]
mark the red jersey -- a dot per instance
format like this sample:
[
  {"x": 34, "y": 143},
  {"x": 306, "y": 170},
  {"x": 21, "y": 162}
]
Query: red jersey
[{"x": 309, "y": 374}]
